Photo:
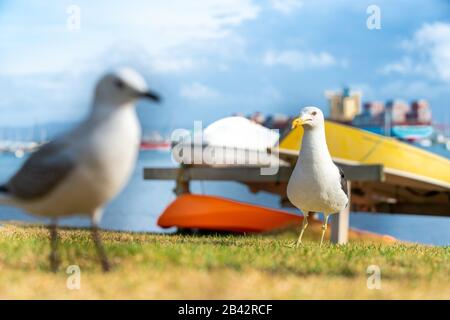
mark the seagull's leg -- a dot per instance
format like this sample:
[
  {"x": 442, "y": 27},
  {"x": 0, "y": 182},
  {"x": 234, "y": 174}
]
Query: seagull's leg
[
  {"x": 304, "y": 225},
  {"x": 53, "y": 245},
  {"x": 99, "y": 246},
  {"x": 324, "y": 226}
]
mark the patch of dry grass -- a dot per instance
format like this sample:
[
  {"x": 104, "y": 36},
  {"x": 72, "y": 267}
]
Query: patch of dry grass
[{"x": 213, "y": 267}]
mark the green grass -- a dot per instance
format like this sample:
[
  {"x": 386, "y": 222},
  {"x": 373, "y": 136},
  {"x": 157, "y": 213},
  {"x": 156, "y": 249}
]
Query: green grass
[{"x": 218, "y": 266}]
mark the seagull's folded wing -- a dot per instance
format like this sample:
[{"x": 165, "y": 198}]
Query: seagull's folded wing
[
  {"x": 42, "y": 171},
  {"x": 344, "y": 185}
]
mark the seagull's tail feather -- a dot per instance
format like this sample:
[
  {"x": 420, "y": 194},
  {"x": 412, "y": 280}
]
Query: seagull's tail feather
[{"x": 5, "y": 198}]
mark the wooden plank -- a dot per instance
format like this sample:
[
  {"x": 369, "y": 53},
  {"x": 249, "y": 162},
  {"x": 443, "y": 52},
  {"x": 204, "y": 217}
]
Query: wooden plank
[
  {"x": 373, "y": 172},
  {"x": 392, "y": 175},
  {"x": 160, "y": 173},
  {"x": 398, "y": 179},
  {"x": 387, "y": 190},
  {"x": 246, "y": 174},
  {"x": 414, "y": 208},
  {"x": 253, "y": 174}
]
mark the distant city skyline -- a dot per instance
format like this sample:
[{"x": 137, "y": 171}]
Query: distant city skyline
[{"x": 212, "y": 59}]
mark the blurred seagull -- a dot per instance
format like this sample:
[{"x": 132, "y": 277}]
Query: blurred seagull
[
  {"x": 316, "y": 184},
  {"x": 81, "y": 171}
]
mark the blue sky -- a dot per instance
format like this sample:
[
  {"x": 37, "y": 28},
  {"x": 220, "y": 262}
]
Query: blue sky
[{"x": 212, "y": 58}]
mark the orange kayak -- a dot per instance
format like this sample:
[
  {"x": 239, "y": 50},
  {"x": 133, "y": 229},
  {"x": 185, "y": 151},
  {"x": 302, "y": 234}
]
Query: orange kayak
[{"x": 191, "y": 211}]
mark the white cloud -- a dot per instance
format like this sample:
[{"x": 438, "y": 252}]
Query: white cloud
[
  {"x": 163, "y": 29},
  {"x": 197, "y": 90},
  {"x": 286, "y": 6},
  {"x": 160, "y": 38},
  {"x": 298, "y": 59},
  {"x": 407, "y": 66},
  {"x": 427, "y": 53},
  {"x": 413, "y": 89},
  {"x": 56, "y": 97},
  {"x": 167, "y": 65}
]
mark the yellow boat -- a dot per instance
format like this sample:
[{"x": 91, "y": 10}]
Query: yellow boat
[{"x": 415, "y": 179}]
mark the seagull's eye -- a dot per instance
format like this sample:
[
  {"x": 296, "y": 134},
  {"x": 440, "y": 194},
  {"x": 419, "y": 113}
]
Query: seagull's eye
[
  {"x": 119, "y": 84},
  {"x": 314, "y": 113}
]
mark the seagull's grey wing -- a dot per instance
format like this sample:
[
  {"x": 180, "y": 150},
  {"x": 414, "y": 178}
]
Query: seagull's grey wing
[
  {"x": 42, "y": 171},
  {"x": 344, "y": 185}
]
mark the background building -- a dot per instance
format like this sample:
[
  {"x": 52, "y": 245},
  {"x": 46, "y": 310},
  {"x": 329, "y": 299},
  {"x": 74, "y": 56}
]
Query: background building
[{"x": 344, "y": 105}]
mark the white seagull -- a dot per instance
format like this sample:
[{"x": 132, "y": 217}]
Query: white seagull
[
  {"x": 316, "y": 184},
  {"x": 81, "y": 171}
]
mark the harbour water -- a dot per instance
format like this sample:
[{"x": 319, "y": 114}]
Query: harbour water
[{"x": 137, "y": 208}]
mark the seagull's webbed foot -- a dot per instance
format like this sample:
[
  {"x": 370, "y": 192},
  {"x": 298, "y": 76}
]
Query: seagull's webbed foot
[
  {"x": 299, "y": 240},
  {"x": 292, "y": 244},
  {"x": 298, "y": 243}
]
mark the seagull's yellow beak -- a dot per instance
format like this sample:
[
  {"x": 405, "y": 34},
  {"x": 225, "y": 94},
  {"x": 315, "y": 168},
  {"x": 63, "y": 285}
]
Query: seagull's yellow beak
[{"x": 299, "y": 122}]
